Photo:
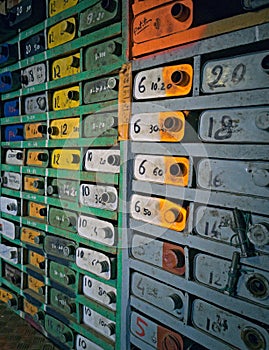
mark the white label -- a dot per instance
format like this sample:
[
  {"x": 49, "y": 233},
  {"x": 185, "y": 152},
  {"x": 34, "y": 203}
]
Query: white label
[
  {"x": 14, "y": 157},
  {"x": 96, "y": 230},
  {"x": 95, "y": 262},
  {"x": 148, "y": 250},
  {"x": 161, "y": 295},
  {"x": 98, "y": 322},
  {"x": 9, "y": 253},
  {"x": 35, "y": 104},
  {"x": 11, "y": 180},
  {"x": 228, "y": 327},
  {"x": 103, "y": 197},
  {"x": 100, "y": 292},
  {"x": 107, "y": 161},
  {"x": 83, "y": 343},
  {"x": 234, "y": 176},
  {"x": 236, "y": 73},
  {"x": 151, "y": 168},
  {"x": 146, "y": 127},
  {"x": 34, "y": 75},
  {"x": 7, "y": 228},
  {"x": 9, "y": 206}
]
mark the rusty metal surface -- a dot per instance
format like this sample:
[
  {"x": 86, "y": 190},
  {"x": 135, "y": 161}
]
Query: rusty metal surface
[{"x": 17, "y": 334}]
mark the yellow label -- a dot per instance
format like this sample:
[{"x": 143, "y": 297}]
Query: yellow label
[
  {"x": 29, "y": 182},
  {"x": 35, "y": 259},
  {"x": 35, "y": 210},
  {"x": 66, "y": 98},
  {"x": 33, "y": 158},
  {"x": 29, "y": 308},
  {"x": 62, "y": 32},
  {"x": 64, "y": 128},
  {"x": 65, "y": 159},
  {"x": 35, "y": 284},
  {"x": 66, "y": 66},
  {"x": 177, "y": 171},
  {"x": 28, "y": 235},
  {"x": 31, "y": 131},
  {"x": 172, "y": 126},
  {"x": 57, "y": 6},
  {"x": 5, "y": 296}
]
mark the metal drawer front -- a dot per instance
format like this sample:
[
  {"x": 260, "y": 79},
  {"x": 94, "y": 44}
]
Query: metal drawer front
[
  {"x": 33, "y": 45},
  {"x": 56, "y": 7},
  {"x": 10, "y": 205},
  {"x": 100, "y": 125},
  {"x": 158, "y": 127},
  {"x": 15, "y": 157},
  {"x": 65, "y": 159},
  {"x": 36, "y": 104},
  {"x": 8, "y": 229},
  {"x": 9, "y": 253},
  {"x": 167, "y": 256},
  {"x": 101, "y": 13},
  {"x": 38, "y": 157},
  {"x": 35, "y": 131},
  {"x": 62, "y": 275},
  {"x": 99, "y": 323},
  {"x": 64, "y": 128},
  {"x": 95, "y": 262},
  {"x": 11, "y": 180},
  {"x": 36, "y": 260},
  {"x": 59, "y": 331},
  {"x": 96, "y": 230},
  {"x": 170, "y": 81},
  {"x": 32, "y": 236},
  {"x": 34, "y": 75},
  {"x": 66, "y": 98},
  {"x": 60, "y": 247},
  {"x": 13, "y": 133},
  {"x": 162, "y": 21},
  {"x": 37, "y": 211},
  {"x": 61, "y": 188},
  {"x": 248, "y": 125},
  {"x": 158, "y": 211},
  {"x": 234, "y": 176},
  {"x": 153, "y": 334},
  {"x": 226, "y": 326},
  {"x": 107, "y": 161},
  {"x": 62, "y": 32},
  {"x": 100, "y": 292},
  {"x": 35, "y": 184},
  {"x": 167, "y": 298},
  {"x": 101, "y": 90},
  {"x": 9, "y": 81},
  {"x": 103, "y": 197},
  {"x": 64, "y": 219},
  {"x": 66, "y": 66},
  {"x": 236, "y": 73},
  {"x": 12, "y": 108},
  {"x": 160, "y": 169},
  {"x": 83, "y": 343}
]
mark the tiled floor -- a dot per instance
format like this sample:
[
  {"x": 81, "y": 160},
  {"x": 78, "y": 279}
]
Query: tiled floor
[{"x": 17, "y": 334}]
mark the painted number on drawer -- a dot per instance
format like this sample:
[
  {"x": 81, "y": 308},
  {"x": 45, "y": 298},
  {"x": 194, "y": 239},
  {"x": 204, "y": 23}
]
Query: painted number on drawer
[
  {"x": 162, "y": 21},
  {"x": 235, "y": 125},
  {"x": 83, "y": 343},
  {"x": 153, "y": 334},
  {"x": 15, "y": 157},
  {"x": 36, "y": 104},
  {"x": 95, "y": 262},
  {"x": 168, "y": 256},
  {"x": 100, "y": 292},
  {"x": 101, "y": 90},
  {"x": 65, "y": 159},
  {"x": 103, "y": 197},
  {"x": 162, "y": 126},
  {"x": 107, "y": 161},
  {"x": 169, "y": 170},
  {"x": 234, "y": 176},
  {"x": 64, "y": 128},
  {"x": 163, "y": 82},
  {"x": 163, "y": 296},
  {"x": 62, "y": 32},
  {"x": 34, "y": 75},
  {"x": 232, "y": 329},
  {"x": 66, "y": 98},
  {"x": 158, "y": 211},
  {"x": 96, "y": 230},
  {"x": 236, "y": 73},
  {"x": 66, "y": 66},
  {"x": 98, "y": 322}
]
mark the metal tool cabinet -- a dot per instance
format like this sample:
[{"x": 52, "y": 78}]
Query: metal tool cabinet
[
  {"x": 134, "y": 205},
  {"x": 66, "y": 302}
]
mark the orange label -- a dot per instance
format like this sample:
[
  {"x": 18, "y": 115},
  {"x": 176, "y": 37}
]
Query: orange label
[
  {"x": 29, "y": 183},
  {"x": 125, "y": 99},
  {"x": 163, "y": 21},
  {"x": 167, "y": 339},
  {"x": 177, "y": 171},
  {"x": 179, "y": 79},
  {"x": 28, "y": 235},
  {"x": 172, "y": 126},
  {"x": 31, "y": 130},
  {"x": 36, "y": 259},
  {"x": 37, "y": 210},
  {"x": 173, "y": 258},
  {"x": 29, "y": 308},
  {"x": 35, "y": 285},
  {"x": 172, "y": 216},
  {"x": 5, "y": 296},
  {"x": 37, "y": 158}
]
